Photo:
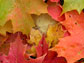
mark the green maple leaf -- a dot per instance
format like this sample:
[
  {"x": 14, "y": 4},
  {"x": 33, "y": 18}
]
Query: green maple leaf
[
  {"x": 5, "y": 7},
  {"x": 73, "y": 5}
]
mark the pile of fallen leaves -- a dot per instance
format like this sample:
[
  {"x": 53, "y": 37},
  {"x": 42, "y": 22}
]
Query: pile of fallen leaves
[{"x": 41, "y": 31}]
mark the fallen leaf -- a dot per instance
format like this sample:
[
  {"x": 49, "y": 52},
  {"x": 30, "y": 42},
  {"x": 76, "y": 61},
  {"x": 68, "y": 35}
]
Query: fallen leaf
[
  {"x": 17, "y": 51},
  {"x": 71, "y": 47},
  {"x": 42, "y": 48},
  {"x": 55, "y": 10},
  {"x": 20, "y": 21},
  {"x": 51, "y": 57},
  {"x": 55, "y": 31}
]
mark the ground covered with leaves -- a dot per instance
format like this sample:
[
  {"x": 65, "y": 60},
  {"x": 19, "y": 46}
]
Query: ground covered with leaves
[{"x": 41, "y": 31}]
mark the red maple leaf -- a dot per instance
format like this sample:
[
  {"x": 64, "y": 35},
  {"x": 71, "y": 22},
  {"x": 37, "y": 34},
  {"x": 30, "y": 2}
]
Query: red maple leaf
[
  {"x": 51, "y": 57},
  {"x": 72, "y": 47},
  {"x": 17, "y": 51},
  {"x": 55, "y": 10},
  {"x": 42, "y": 48}
]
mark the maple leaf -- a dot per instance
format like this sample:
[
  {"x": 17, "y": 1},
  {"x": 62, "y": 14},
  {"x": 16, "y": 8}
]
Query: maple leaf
[
  {"x": 51, "y": 57},
  {"x": 73, "y": 5},
  {"x": 55, "y": 10},
  {"x": 17, "y": 51},
  {"x": 32, "y": 6},
  {"x": 71, "y": 47},
  {"x": 78, "y": 17},
  {"x": 55, "y": 31},
  {"x": 6, "y": 6},
  {"x": 42, "y": 48},
  {"x": 21, "y": 21}
]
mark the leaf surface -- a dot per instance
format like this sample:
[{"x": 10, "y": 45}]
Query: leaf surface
[
  {"x": 17, "y": 51},
  {"x": 35, "y": 37},
  {"x": 71, "y": 47},
  {"x": 73, "y": 5},
  {"x": 21, "y": 21},
  {"x": 55, "y": 10},
  {"x": 33, "y": 6},
  {"x": 42, "y": 48},
  {"x": 6, "y": 6},
  {"x": 51, "y": 57},
  {"x": 55, "y": 31}
]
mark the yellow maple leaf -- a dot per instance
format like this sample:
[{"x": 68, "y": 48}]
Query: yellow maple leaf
[
  {"x": 35, "y": 37},
  {"x": 54, "y": 32}
]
